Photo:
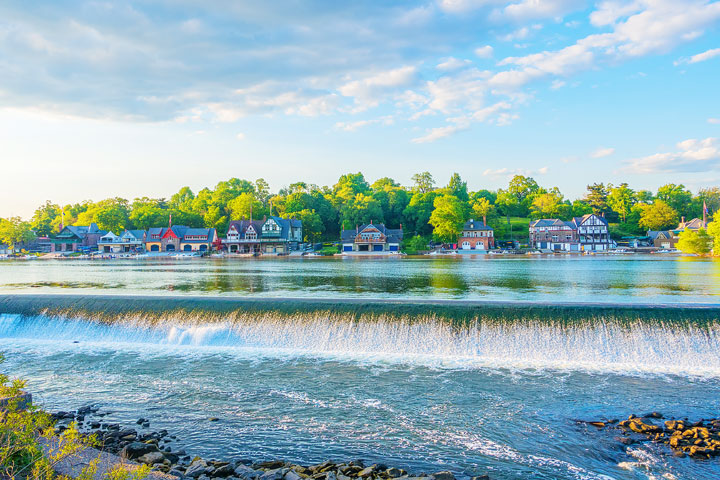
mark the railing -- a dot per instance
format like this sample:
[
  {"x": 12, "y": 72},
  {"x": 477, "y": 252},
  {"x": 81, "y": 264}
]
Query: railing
[{"x": 359, "y": 239}]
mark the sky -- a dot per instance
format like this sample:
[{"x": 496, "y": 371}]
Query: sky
[{"x": 138, "y": 98}]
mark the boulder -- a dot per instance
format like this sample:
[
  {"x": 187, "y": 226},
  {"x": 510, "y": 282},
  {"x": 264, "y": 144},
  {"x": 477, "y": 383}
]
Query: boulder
[
  {"x": 444, "y": 475},
  {"x": 292, "y": 475},
  {"x": 196, "y": 469},
  {"x": 245, "y": 472},
  {"x": 136, "y": 450},
  {"x": 224, "y": 471},
  {"x": 151, "y": 458},
  {"x": 275, "y": 474}
]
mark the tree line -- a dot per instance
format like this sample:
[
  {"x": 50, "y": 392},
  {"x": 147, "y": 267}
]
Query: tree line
[{"x": 424, "y": 209}]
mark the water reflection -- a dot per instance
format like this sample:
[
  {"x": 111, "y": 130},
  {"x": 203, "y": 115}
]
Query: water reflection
[{"x": 612, "y": 279}]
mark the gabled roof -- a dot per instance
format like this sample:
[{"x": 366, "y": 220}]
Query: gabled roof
[
  {"x": 80, "y": 231},
  {"x": 473, "y": 225},
  {"x": 550, "y": 222},
  {"x": 285, "y": 226},
  {"x": 392, "y": 235},
  {"x": 138, "y": 234},
  {"x": 110, "y": 235},
  {"x": 694, "y": 224},
  {"x": 654, "y": 234},
  {"x": 580, "y": 220}
]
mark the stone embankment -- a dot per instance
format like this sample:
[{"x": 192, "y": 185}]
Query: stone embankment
[
  {"x": 155, "y": 449},
  {"x": 700, "y": 440}
]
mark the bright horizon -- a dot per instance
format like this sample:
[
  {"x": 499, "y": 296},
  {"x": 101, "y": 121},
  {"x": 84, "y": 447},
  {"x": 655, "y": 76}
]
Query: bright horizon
[{"x": 102, "y": 100}]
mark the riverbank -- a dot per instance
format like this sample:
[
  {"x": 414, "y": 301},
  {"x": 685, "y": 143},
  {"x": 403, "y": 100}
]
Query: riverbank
[{"x": 160, "y": 450}]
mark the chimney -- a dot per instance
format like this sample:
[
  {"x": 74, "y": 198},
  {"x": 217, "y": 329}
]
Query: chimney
[
  {"x": 264, "y": 217},
  {"x": 401, "y": 226}
]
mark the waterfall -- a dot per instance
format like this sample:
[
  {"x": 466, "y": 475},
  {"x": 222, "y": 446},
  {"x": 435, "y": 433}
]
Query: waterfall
[{"x": 618, "y": 344}]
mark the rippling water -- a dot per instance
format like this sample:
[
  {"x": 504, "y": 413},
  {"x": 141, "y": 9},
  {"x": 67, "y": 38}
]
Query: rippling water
[
  {"x": 499, "y": 397},
  {"x": 614, "y": 279}
]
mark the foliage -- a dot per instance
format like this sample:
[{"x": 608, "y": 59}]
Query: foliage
[
  {"x": 14, "y": 231},
  {"x": 547, "y": 205},
  {"x": 482, "y": 208},
  {"x": 447, "y": 218},
  {"x": 43, "y": 220},
  {"x": 414, "y": 244},
  {"x": 695, "y": 241},
  {"x": 657, "y": 216},
  {"x": 621, "y": 199},
  {"x": 597, "y": 197},
  {"x": 424, "y": 182},
  {"x": 713, "y": 229},
  {"x": 677, "y": 196}
]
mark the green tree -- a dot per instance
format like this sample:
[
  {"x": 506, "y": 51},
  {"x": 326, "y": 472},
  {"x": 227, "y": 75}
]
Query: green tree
[
  {"x": 245, "y": 205},
  {"x": 621, "y": 200},
  {"x": 677, "y": 196},
  {"x": 262, "y": 191},
  {"x": 148, "y": 212},
  {"x": 360, "y": 210},
  {"x": 418, "y": 211},
  {"x": 482, "y": 208},
  {"x": 14, "y": 231},
  {"x": 112, "y": 214},
  {"x": 43, "y": 220},
  {"x": 458, "y": 188},
  {"x": 695, "y": 241},
  {"x": 447, "y": 218},
  {"x": 312, "y": 225},
  {"x": 657, "y": 216},
  {"x": 713, "y": 229},
  {"x": 393, "y": 200},
  {"x": 597, "y": 198},
  {"x": 424, "y": 182},
  {"x": 349, "y": 185},
  {"x": 383, "y": 183},
  {"x": 580, "y": 208},
  {"x": 547, "y": 205}
]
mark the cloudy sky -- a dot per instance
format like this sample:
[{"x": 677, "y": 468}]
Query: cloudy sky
[{"x": 135, "y": 98}]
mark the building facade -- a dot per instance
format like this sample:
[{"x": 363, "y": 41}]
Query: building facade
[
  {"x": 77, "y": 238},
  {"x": 667, "y": 239},
  {"x": 272, "y": 235},
  {"x": 476, "y": 236},
  {"x": 371, "y": 238},
  {"x": 179, "y": 238},
  {"x": 589, "y": 233},
  {"x": 131, "y": 241}
]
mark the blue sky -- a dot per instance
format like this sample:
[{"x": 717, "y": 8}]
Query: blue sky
[{"x": 137, "y": 98}]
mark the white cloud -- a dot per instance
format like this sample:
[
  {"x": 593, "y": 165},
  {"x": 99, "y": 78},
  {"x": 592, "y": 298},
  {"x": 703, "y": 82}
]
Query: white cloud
[
  {"x": 511, "y": 172},
  {"x": 240, "y": 136},
  {"x": 353, "y": 126},
  {"x": 492, "y": 114},
  {"x": 534, "y": 9},
  {"x": 462, "y": 6},
  {"x": 692, "y": 156},
  {"x": 520, "y": 34},
  {"x": 453, "y": 63},
  {"x": 557, "y": 84},
  {"x": 700, "y": 57},
  {"x": 439, "y": 132},
  {"x": 714, "y": 121},
  {"x": 370, "y": 90},
  {"x": 484, "y": 52},
  {"x": 602, "y": 152}
]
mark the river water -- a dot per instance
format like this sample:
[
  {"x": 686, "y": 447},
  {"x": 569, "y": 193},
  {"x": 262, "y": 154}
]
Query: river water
[{"x": 501, "y": 397}]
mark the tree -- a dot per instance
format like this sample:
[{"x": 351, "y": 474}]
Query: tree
[
  {"x": 383, "y": 183},
  {"x": 458, "y": 188},
  {"x": 713, "y": 229},
  {"x": 580, "y": 208},
  {"x": 14, "y": 231},
  {"x": 695, "y": 241},
  {"x": 361, "y": 210},
  {"x": 418, "y": 212},
  {"x": 312, "y": 225},
  {"x": 349, "y": 185},
  {"x": 43, "y": 220},
  {"x": 597, "y": 198},
  {"x": 447, "y": 218},
  {"x": 522, "y": 187},
  {"x": 245, "y": 205},
  {"x": 547, "y": 205},
  {"x": 482, "y": 208},
  {"x": 677, "y": 196},
  {"x": 657, "y": 216},
  {"x": 262, "y": 191},
  {"x": 393, "y": 201},
  {"x": 621, "y": 200},
  {"x": 111, "y": 214},
  {"x": 424, "y": 182},
  {"x": 148, "y": 212}
]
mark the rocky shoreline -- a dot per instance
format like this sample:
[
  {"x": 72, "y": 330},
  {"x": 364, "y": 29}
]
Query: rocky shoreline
[
  {"x": 155, "y": 448},
  {"x": 699, "y": 440}
]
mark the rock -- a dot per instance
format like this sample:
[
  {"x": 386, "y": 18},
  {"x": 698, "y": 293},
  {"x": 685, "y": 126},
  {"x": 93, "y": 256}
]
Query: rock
[
  {"x": 292, "y": 475},
  {"x": 136, "y": 450},
  {"x": 275, "y": 474},
  {"x": 394, "y": 472},
  {"x": 444, "y": 475},
  {"x": 213, "y": 419},
  {"x": 366, "y": 472},
  {"x": 224, "y": 471},
  {"x": 196, "y": 469},
  {"x": 151, "y": 458},
  {"x": 245, "y": 472},
  {"x": 481, "y": 477},
  {"x": 330, "y": 475},
  {"x": 270, "y": 465},
  {"x": 176, "y": 472},
  {"x": 653, "y": 415}
]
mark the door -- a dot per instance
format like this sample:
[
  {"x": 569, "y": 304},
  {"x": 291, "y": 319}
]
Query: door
[
  {"x": 155, "y": 248},
  {"x": 465, "y": 245},
  {"x": 170, "y": 247},
  {"x": 377, "y": 248},
  {"x": 187, "y": 248}
]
